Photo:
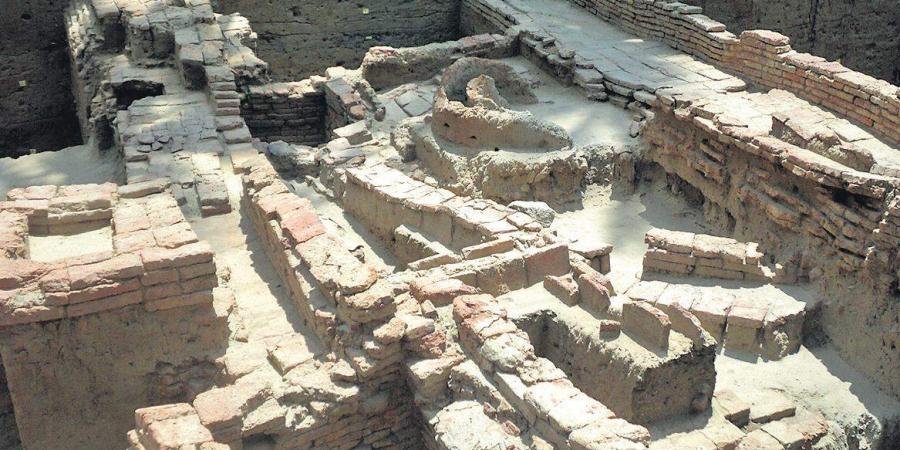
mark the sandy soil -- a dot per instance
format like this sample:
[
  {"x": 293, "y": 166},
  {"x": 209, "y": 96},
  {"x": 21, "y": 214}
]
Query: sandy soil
[
  {"x": 623, "y": 219},
  {"x": 587, "y": 121},
  {"x": 265, "y": 311},
  {"x": 74, "y": 165},
  {"x": 57, "y": 247},
  {"x": 814, "y": 379}
]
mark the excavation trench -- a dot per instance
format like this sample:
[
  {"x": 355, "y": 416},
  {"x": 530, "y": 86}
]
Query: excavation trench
[{"x": 636, "y": 382}]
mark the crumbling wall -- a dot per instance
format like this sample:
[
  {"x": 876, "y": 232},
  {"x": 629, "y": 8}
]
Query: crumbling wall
[
  {"x": 335, "y": 293},
  {"x": 302, "y": 37},
  {"x": 831, "y": 226},
  {"x": 34, "y": 79},
  {"x": 637, "y": 385},
  {"x": 82, "y": 379},
  {"x": 864, "y": 36}
]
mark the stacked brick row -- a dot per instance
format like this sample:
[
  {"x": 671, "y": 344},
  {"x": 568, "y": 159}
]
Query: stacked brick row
[
  {"x": 291, "y": 112},
  {"x": 81, "y": 33},
  {"x": 453, "y": 220},
  {"x": 542, "y": 51},
  {"x": 333, "y": 290},
  {"x": 768, "y": 325},
  {"x": 683, "y": 253},
  {"x": 559, "y": 412},
  {"x": 157, "y": 260},
  {"x": 763, "y": 56},
  {"x": 767, "y": 58},
  {"x": 835, "y": 205},
  {"x": 509, "y": 271},
  {"x": 679, "y": 25},
  {"x": 344, "y": 103}
]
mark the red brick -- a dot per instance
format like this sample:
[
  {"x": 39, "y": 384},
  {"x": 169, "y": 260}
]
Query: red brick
[
  {"x": 203, "y": 283},
  {"x": 157, "y": 258},
  {"x": 549, "y": 260},
  {"x": 104, "y": 290},
  {"x": 105, "y": 304},
  {"x": 197, "y": 270},
  {"x": 120, "y": 267},
  {"x": 593, "y": 290},
  {"x": 162, "y": 291},
  {"x": 179, "y": 301},
  {"x": 15, "y": 273},
  {"x": 441, "y": 292},
  {"x": 159, "y": 277},
  {"x": 302, "y": 225},
  {"x": 175, "y": 235}
]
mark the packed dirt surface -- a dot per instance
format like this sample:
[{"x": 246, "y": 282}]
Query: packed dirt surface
[{"x": 74, "y": 165}]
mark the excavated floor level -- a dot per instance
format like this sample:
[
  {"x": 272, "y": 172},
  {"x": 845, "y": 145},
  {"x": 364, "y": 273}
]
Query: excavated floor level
[{"x": 511, "y": 224}]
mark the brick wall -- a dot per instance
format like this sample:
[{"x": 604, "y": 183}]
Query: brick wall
[
  {"x": 862, "y": 35},
  {"x": 300, "y": 38},
  {"x": 290, "y": 112}
]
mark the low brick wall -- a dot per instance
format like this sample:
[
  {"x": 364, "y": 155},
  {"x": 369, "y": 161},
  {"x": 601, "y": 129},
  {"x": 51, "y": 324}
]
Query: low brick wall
[
  {"x": 560, "y": 412},
  {"x": 702, "y": 255},
  {"x": 765, "y": 57},
  {"x": 453, "y": 220},
  {"x": 290, "y": 112},
  {"x": 333, "y": 290},
  {"x": 156, "y": 260},
  {"x": 769, "y": 324}
]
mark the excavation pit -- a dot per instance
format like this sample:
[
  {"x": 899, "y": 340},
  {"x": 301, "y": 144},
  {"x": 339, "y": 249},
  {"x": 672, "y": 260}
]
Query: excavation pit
[{"x": 449, "y": 225}]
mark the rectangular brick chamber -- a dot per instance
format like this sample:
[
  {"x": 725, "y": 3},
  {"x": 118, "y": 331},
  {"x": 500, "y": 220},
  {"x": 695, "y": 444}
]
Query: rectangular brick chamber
[
  {"x": 147, "y": 253},
  {"x": 639, "y": 385}
]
